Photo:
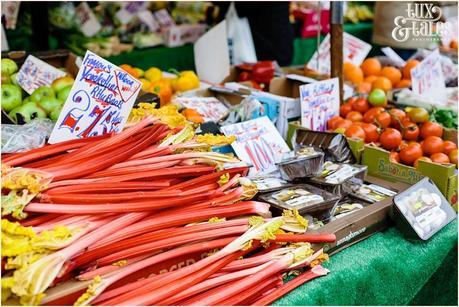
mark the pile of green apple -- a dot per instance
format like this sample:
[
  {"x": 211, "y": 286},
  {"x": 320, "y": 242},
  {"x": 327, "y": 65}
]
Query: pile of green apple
[{"x": 45, "y": 101}]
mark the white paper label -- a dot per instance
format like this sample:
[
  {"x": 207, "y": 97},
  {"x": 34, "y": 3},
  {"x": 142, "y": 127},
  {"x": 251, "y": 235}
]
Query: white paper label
[
  {"x": 391, "y": 54},
  {"x": 257, "y": 142},
  {"x": 89, "y": 23},
  {"x": 427, "y": 79},
  {"x": 164, "y": 18},
  {"x": 35, "y": 73},
  {"x": 100, "y": 101},
  {"x": 147, "y": 18},
  {"x": 5, "y": 46},
  {"x": 319, "y": 102},
  {"x": 10, "y": 9},
  {"x": 354, "y": 51}
]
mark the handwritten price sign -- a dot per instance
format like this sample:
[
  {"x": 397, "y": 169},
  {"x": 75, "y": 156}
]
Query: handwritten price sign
[
  {"x": 100, "y": 101},
  {"x": 319, "y": 102},
  {"x": 427, "y": 79},
  {"x": 35, "y": 73},
  {"x": 257, "y": 142},
  {"x": 354, "y": 51}
]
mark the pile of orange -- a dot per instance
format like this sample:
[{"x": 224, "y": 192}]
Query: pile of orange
[{"x": 371, "y": 75}]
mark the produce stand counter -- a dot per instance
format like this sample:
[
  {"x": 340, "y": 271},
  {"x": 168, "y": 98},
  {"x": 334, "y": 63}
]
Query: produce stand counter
[
  {"x": 386, "y": 269},
  {"x": 182, "y": 58}
]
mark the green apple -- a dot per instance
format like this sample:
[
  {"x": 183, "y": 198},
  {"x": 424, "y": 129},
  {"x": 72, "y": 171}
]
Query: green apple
[
  {"x": 42, "y": 92},
  {"x": 11, "y": 96},
  {"x": 62, "y": 82},
  {"x": 27, "y": 112},
  {"x": 64, "y": 93},
  {"x": 49, "y": 104},
  {"x": 54, "y": 115},
  {"x": 27, "y": 99},
  {"x": 9, "y": 66},
  {"x": 14, "y": 79},
  {"x": 6, "y": 79},
  {"x": 377, "y": 98}
]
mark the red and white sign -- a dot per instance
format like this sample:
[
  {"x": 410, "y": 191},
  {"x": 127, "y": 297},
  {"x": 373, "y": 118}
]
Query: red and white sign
[
  {"x": 354, "y": 51},
  {"x": 427, "y": 79},
  {"x": 100, "y": 101}
]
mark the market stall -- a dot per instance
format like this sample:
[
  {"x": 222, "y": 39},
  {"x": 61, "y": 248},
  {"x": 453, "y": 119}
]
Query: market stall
[{"x": 185, "y": 175}]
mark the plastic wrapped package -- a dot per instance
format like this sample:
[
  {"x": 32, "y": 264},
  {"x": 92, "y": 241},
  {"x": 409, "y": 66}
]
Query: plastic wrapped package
[
  {"x": 368, "y": 192},
  {"x": 334, "y": 145},
  {"x": 17, "y": 138},
  {"x": 306, "y": 198},
  {"x": 421, "y": 210},
  {"x": 334, "y": 175},
  {"x": 304, "y": 162}
]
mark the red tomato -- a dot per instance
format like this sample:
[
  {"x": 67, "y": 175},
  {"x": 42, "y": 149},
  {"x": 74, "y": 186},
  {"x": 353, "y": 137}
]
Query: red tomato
[
  {"x": 360, "y": 105},
  {"x": 415, "y": 164},
  {"x": 410, "y": 131},
  {"x": 383, "y": 119},
  {"x": 344, "y": 123},
  {"x": 394, "y": 157},
  {"x": 371, "y": 132},
  {"x": 432, "y": 144},
  {"x": 410, "y": 153},
  {"x": 369, "y": 116},
  {"x": 430, "y": 128},
  {"x": 350, "y": 100},
  {"x": 453, "y": 156},
  {"x": 397, "y": 117},
  {"x": 355, "y": 132},
  {"x": 345, "y": 109},
  {"x": 332, "y": 122},
  {"x": 354, "y": 116},
  {"x": 448, "y": 146},
  {"x": 439, "y": 157},
  {"x": 390, "y": 139}
]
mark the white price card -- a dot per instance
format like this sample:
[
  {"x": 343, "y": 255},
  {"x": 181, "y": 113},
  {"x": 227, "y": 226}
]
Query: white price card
[
  {"x": 354, "y": 51},
  {"x": 257, "y": 142},
  {"x": 100, "y": 101},
  {"x": 10, "y": 9},
  {"x": 319, "y": 102},
  {"x": 391, "y": 54},
  {"x": 88, "y": 21},
  {"x": 427, "y": 79},
  {"x": 35, "y": 73}
]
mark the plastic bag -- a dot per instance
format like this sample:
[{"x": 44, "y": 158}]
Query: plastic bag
[
  {"x": 240, "y": 41},
  {"x": 17, "y": 138},
  {"x": 249, "y": 108}
]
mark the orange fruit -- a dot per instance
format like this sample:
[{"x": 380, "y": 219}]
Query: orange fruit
[
  {"x": 382, "y": 83},
  {"x": 363, "y": 87},
  {"x": 392, "y": 73},
  {"x": 352, "y": 73},
  {"x": 410, "y": 64},
  {"x": 370, "y": 79},
  {"x": 403, "y": 83},
  {"x": 371, "y": 67},
  {"x": 453, "y": 44}
]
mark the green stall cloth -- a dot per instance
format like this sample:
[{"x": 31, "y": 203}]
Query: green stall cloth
[
  {"x": 180, "y": 58},
  {"x": 386, "y": 269}
]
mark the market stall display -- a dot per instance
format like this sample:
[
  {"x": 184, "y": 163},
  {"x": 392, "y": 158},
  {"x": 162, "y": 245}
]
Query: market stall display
[{"x": 140, "y": 184}]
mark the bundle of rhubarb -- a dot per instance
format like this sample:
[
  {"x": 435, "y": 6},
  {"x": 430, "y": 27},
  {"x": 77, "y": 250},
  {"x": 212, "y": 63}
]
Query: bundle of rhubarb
[{"x": 102, "y": 221}]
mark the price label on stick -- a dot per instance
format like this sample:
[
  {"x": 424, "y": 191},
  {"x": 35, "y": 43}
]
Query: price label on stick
[
  {"x": 354, "y": 51},
  {"x": 427, "y": 79},
  {"x": 319, "y": 102},
  {"x": 35, "y": 73},
  {"x": 100, "y": 101}
]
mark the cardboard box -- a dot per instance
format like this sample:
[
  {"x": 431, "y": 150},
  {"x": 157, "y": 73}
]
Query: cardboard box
[
  {"x": 363, "y": 223},
  {"x": 57, "y": 58},
  {"x": 444, "y": 176}
]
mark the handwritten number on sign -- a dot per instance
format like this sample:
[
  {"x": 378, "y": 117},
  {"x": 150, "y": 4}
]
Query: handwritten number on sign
[{"x": 72, "y": 118}]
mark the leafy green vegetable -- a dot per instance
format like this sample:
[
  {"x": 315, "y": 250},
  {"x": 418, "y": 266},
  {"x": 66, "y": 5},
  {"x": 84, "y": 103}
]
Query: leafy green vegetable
[{"x": 446, "y": 117}]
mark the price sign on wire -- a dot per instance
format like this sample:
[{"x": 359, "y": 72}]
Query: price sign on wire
[
  {"x": 319, "y": 102},
  {"x": 427, "y": 79},
  {"x": 35, "y": 73},
  {"x": 354, "y": 51},
  {"x": 100, "y": 101}
]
